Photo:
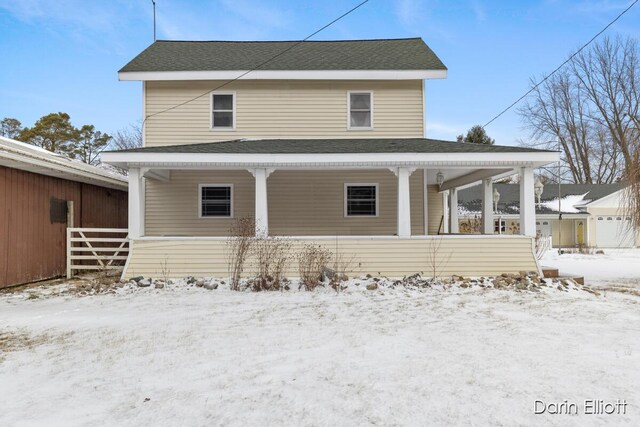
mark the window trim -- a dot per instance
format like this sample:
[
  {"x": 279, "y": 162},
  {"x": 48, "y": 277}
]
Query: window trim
[
  {"x": 349, "y": 92},
  {"x": 231, "y": 212},
  {"x": 234, "y": 112},
  {"x": 499, "y": 223},
  {"x": 361, "y": 184}
]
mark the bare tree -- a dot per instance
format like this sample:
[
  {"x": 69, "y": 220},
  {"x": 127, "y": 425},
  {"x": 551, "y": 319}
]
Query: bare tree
[
  {"x": 590, "y": 109},
  {"x": 609, "y": 73},
  {"x": 127, "y": 138}
]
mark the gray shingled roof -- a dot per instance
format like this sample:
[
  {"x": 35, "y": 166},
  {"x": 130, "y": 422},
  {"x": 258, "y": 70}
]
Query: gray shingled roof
[
  {"x": 470, "y": 199},
  {"x": 333, "y": 146},
  {"x": 387, "y": 54}
]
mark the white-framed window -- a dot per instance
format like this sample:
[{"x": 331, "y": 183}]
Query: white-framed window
[
  {"x": 215, "y": 200},
  {"x": 360, "y": 110},
  {"x": 499, "y": 226},
  {"x": 223, "y": 111},
  {"x": 361, "y": 199}
]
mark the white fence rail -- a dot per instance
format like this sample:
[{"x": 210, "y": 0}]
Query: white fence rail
[{"x": 96, "y": 249}]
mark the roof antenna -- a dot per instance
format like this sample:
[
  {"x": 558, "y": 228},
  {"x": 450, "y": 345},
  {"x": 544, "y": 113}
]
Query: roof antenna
[{"x": 154, "y": 19}]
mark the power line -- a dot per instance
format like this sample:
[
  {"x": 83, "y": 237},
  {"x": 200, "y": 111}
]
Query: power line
[
  {"x": 561, "y": 65},
  {"x": 261, "y": 64}
]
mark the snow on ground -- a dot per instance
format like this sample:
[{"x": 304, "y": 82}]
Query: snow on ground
[
  {"x": 615, "y": 267},
  {"x": 191, "y": 356}
]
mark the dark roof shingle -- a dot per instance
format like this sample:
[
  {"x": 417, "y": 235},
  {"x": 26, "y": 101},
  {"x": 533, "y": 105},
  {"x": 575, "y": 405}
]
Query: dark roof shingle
[
  {"x": 470, "y": 199},
  {"x": 386, "y": 54},
  {"x": 333, "y": 146}
]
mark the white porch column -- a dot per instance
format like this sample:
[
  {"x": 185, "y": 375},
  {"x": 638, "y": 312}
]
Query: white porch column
[
  {"x": 404, "y": 202},
  {"x": 454, "y": 224},
  {"x": 487, "y": 206},
  {"x": 445, "y": 212},
  {"x": 527, "y": 203},
  {"x": 425, "y": 201},
  {"x": 136, "y": 203},
  {"x": 262, "y": 211}
]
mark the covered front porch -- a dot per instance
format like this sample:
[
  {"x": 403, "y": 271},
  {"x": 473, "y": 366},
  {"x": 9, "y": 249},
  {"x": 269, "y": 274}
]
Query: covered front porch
[
  {"x": 388, "y": 207},
  {"x": 397, "y": 201}
]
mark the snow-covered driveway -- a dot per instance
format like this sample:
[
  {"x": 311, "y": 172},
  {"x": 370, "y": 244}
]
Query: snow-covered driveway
[{"x": 386, "y": 357}]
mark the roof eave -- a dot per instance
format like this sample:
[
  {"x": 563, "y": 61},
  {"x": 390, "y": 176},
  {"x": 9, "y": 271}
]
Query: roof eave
[
  {"x": 284, "y": 75},
  {"x": 374, "y": 160}
]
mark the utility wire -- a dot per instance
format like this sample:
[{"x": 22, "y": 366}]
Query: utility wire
[
  {"x": 261, "y": 64},
  {"x": 561, "y": 65}
]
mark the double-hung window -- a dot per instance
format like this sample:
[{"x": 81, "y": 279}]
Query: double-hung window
[
  {"x": 361, "y": 199},
  {"x": 216, "y": 200},
  {"x": 223, "y": 111},
  {"x": 360, "y": 115}
]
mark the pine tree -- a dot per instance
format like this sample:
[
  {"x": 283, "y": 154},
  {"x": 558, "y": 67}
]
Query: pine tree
[
  {"x": 10, "y": 127},
  {"x": 477, "y": 135},
  {"x": 53, "y": 132}
]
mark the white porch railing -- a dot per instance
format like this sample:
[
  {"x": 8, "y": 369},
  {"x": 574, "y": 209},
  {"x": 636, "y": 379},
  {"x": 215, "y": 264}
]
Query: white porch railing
[{"x": 96, "y": 249}]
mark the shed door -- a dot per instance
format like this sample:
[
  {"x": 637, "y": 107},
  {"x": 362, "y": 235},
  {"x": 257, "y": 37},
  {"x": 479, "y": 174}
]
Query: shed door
[{"x": 614, "y": 232}]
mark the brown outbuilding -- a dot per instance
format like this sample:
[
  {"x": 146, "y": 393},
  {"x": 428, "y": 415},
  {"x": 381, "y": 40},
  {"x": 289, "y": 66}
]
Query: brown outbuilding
[{"x": 41, "y": 194}]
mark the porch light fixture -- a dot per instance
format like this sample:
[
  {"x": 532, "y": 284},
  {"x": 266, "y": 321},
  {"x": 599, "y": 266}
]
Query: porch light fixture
[
  {"x": 496, "y": 199},
  {"x": 439, "y": 179},
  {"x": 538, "y": 188}
]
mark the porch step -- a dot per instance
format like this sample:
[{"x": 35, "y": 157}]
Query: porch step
[{"x": 553, "y": 273}]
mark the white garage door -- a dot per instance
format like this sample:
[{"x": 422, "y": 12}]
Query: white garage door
[{"x": 613, "y": 232}]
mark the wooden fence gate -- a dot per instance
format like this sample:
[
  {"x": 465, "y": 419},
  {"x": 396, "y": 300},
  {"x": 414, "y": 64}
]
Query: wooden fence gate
[{"x": 99, "y": 249}]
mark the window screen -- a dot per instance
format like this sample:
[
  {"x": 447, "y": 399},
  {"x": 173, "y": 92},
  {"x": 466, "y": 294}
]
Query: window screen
[
  {"x": 360, "y": 110},
  {"x": 222, "y": 110},
  {"x": 361, "y": 200},
  {"x": 215, "y": 201}
]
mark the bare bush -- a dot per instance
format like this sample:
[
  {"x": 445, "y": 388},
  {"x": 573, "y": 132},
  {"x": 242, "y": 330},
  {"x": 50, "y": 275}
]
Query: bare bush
[
  {"x": 239, "y": 245},
  {"x": 542, "y": 245},
  {"x": 472, "y": 225},
  {"x": 312, "y": 262},
  {"x": 436, "y": 260},
  {"x": 271, "y": 256}
]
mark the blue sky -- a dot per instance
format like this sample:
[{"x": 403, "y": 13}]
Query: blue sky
[{"x": 63, "y": 55}]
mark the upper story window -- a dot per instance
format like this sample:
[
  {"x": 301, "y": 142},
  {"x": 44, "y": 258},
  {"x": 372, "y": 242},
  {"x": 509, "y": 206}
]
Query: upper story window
[
  {"x": 216, "y": 201},
  {"x": 361, "y": 200},
  {"x": 360, "y": 114},
  {"x": 223, "y": 111}
]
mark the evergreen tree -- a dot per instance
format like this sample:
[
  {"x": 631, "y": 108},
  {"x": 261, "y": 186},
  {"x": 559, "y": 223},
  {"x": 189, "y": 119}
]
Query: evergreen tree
[
  {"x": 477, "y": 135},
  {"x": 88, "y": 144},
  {"x": 53, "y": 132},
  {"x": 10, "y": 127}
]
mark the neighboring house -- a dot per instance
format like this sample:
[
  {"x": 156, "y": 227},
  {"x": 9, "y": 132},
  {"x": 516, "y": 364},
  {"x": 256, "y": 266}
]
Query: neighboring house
[
  {"x": 323, "y": 144},
  {"x": 41, "y": 193},
  {"x": 592, "y": 215}
]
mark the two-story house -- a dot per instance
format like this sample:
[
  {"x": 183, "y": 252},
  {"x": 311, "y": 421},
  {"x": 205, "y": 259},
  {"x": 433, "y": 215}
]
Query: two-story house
[{"x": 324, "y": 143}]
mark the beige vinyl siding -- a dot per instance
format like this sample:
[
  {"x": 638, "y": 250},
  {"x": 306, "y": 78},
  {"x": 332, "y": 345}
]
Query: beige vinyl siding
[
  {"x": 434, "y": 209},
  {"x": 172, "y": 207},
  {"x": 302, "y": 203},
  {"x": 392, "y": 257},
  {"x": 280, "y": 109}
]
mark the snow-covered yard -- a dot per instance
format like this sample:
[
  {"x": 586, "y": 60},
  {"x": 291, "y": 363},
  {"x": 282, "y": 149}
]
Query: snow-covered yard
[
  {"x": 191, "y": 356},
  {"x": 614, "y": 267}
]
